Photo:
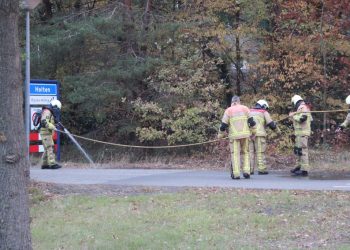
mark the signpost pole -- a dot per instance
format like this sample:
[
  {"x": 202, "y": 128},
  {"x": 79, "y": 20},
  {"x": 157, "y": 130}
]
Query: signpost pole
[
  {"x": 28, "y": 5},
  {"x": 27, "y": 81}
]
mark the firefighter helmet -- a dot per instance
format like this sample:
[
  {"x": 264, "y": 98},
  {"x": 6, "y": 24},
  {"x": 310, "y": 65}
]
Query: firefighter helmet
[
  {"x": 296, "y": 99},
  {"x": 347, "y": 100},
  {"x": 263, "y": 104},
  {"x": 56, "y": 103}
]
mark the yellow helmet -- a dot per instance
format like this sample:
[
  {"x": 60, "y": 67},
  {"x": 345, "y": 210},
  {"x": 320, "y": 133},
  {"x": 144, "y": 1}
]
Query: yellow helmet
[
  {"x": 347, "y": 100},
  {"x": 296, "y": 98}
]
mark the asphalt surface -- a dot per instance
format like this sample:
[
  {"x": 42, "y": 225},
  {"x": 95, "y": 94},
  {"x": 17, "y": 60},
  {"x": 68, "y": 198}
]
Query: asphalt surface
[{"x": 186, "y": 178}]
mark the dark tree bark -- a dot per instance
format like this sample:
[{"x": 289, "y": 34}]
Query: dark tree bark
[
  {"x": 238, "y": 63},
  {"x": 14, "y": 162},
  {"x": 77, "y": 4},
  {"x": 127, "y": 4},
  {"x": 48, "y": 8},
  {"x": 147, "y": 14}
]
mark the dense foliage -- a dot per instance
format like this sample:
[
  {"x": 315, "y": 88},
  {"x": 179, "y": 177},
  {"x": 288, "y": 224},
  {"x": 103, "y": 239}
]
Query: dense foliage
[{"x": 164, "y": 71}]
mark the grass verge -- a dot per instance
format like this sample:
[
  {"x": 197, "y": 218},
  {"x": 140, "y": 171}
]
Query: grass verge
[{"x": 194, "y": 219}]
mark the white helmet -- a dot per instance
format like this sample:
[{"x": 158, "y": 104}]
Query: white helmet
[
  {"x": 263, "y": 104},
  {"x": 347, "y": 100},
  {"x": 56, "y": 103},
  {"x": 296, "y": 98}
]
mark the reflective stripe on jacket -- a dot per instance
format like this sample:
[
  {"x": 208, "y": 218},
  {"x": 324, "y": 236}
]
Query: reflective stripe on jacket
[
  {"x": 237, "y": 117},
  {"x": 302, "y": 128},
  {"x": 262, "y": 118}
]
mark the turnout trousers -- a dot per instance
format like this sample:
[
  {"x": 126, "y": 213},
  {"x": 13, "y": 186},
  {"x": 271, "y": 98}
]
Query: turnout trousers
[
  {"x": 301, "y": 142},
  {"x": 48, "y": 157},
  {"x": 257, "y": 148},
  {"x": 238, "y": 146}
]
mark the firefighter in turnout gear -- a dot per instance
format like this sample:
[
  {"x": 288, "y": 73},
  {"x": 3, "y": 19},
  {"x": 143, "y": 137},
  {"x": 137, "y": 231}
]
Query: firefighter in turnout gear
[
  {"x": 302, "y": 130},
  {"x": 49, "y": 118},
  {"x": 241, "y": 126},
  {"x": 257, "y": 144},
  {"x": 346, "y": 123}
]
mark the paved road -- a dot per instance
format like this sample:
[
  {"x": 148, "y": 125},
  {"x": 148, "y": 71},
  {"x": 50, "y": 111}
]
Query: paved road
[{"x": 184, "y": 178}]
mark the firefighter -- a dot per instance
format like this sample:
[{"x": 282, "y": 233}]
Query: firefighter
[
  {"x": 347, "y": 119},
  {"x": 49, "y": 118},
  {"x": 302, "y": 130},
  {"x": 257, "y": 145},
  {"x": 240, "y": 126}
]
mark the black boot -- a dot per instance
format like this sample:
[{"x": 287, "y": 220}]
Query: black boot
[
  {"x": 295, "y": 169},
  {"x": 246, "y": 175},
  {"x": 55, "y": 166},
  {"x": 233, "y": 177},
  {"x": 45, "y": 167},
  {"x": 301, "y": 173},
  {"x": 263, "y": 172}
]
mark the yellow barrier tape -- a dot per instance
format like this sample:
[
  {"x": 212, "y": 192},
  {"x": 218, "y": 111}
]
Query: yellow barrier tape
[
  {"x": 150, "y": 147},
  {"x": 316, "y": 111},
  {"x": 183, "y": 145}
]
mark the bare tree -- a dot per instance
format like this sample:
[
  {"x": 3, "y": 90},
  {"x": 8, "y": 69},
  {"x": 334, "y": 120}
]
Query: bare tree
[
  {"x": 147, "y": 14},
  {"x": 14, "y": 163}
]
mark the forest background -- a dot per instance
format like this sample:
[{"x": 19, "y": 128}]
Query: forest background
[{"x": 162, "y": 72}]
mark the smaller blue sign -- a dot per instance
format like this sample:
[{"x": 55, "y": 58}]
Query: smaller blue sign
[{"x": 43, "y": 89}]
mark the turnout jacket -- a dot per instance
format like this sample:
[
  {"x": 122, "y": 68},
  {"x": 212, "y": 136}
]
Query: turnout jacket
[
  {"x": 236, "y": 117},
  {"x": 302, "y": 121},
  {"x": 262, "y": 118},
  {"x": 47, "y": 122}
]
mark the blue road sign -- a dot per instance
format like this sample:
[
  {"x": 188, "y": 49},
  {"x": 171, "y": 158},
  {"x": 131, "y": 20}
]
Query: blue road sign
[
  {"x": 43, "y": 89},
  {"x": 41, "y": 92}
]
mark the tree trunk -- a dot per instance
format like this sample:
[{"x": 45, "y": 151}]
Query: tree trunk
[
  {"x": 14, "y": 162},
  {"x": 324, "y": 61},
  {"x": 147, "y": 15},
  {"x": 238, "y": 58},
  {"x": 272, "y": 12},
  {"x": 77, "y": 5},
  {"x": 48, "y": 8},
  {"x": 127, "y": 4},
  {"x": 148, "y": 6},
  {"x": 128, "y": 26}
]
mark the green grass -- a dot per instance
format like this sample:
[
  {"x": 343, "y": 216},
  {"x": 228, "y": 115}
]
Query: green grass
[{"x": 195, "y": 219}]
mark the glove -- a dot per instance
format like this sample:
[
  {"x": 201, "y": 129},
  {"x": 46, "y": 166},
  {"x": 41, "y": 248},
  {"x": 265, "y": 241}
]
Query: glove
[
  {"x": 221, "y": 135},
  {"x": 51, "y": 126}
]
